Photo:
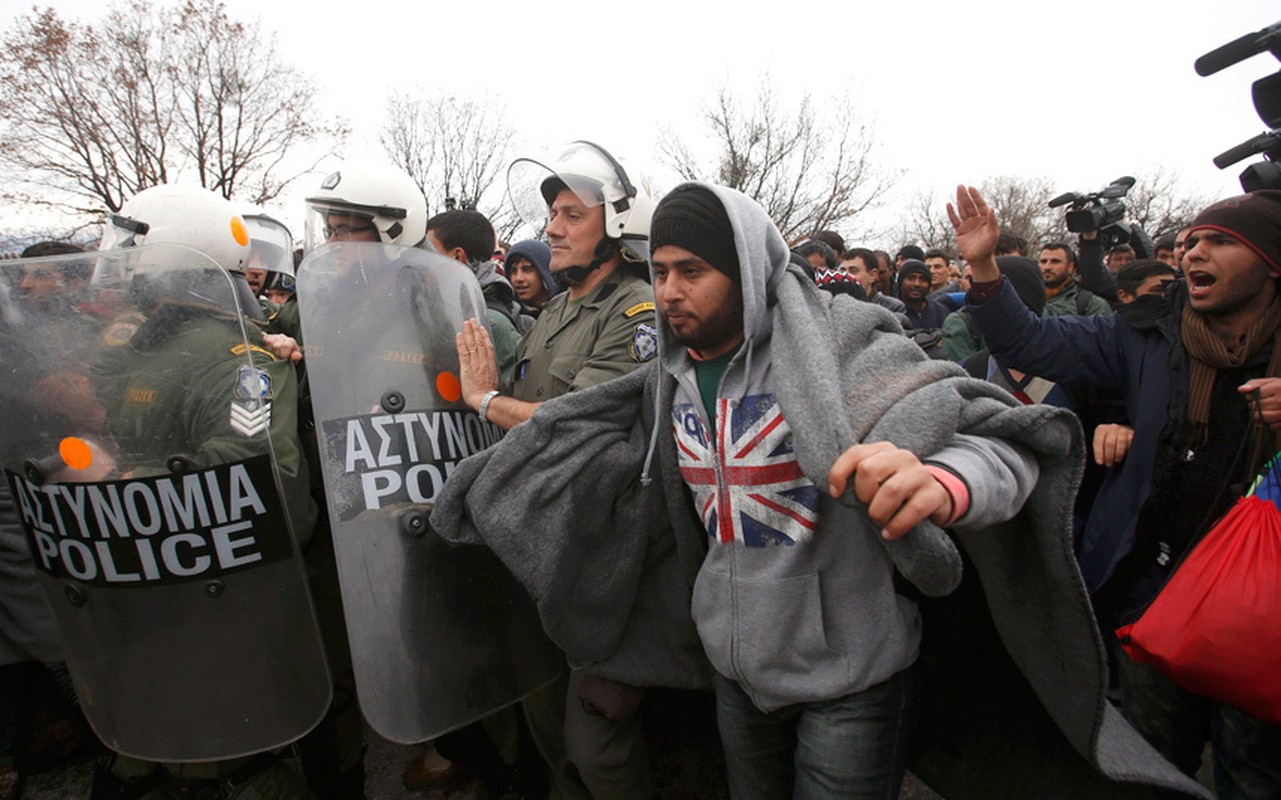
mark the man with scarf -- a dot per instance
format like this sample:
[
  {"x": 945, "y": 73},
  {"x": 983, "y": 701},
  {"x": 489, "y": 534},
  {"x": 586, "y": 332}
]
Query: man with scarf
[{"x": 1199, "y": 376}]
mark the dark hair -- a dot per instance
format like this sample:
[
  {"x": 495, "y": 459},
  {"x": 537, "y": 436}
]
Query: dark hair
[
  {"x": 72, "y": 269},
  {"x": 1123, "y": 248},
  {"x": 1165, "y": 242},
  {"x": 823, "y": 249},
  {"x": 911, "y": 251},
  {"x": 51, "y": 249},
  {"x": 1132, "y": 275},
  {"x": 934, "y": 252},
  {"x": 832, "y": 239},
  {"x": 467, "y": 229},
  {"x": 1071, "y": 254},
  {"x": 1009, "y": 244},
  {"x": 863, "y": 254}
]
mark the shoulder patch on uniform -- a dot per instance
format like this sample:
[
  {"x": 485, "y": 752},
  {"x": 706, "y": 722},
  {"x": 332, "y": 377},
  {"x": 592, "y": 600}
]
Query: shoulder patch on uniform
[
  {"x": 253, "y": 383},
  {"x": 644, "y": 343},
  {"x": 239, "y": 350},
  {"x": 639, "y": 308},
  {"x": 249, "y": 412}
]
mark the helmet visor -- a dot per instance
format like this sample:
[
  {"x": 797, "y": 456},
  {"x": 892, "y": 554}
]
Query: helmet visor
[
  {"x": 270, "y": 245},
  {"x": 336, "y": 222},
  {"x": 583, "y": 168}
]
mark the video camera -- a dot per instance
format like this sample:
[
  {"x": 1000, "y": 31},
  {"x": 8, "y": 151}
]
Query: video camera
[
  {"x": 1103, "y": 211},
  {"x": 1266, "y": 93}
]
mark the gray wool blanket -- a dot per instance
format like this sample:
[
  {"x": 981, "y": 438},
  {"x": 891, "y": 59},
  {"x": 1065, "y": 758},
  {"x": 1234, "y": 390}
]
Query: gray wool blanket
[{"x": 610, "y": 560}]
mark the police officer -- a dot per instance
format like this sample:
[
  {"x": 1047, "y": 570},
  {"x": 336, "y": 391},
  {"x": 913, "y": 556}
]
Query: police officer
[
  {"x": 271, "y": 248},
  {"x": 603, "y": 326},
  {"x": 192, "y": 330},
  {"x": 374, "y": 203},
  {"x": 180, "y": 383}
]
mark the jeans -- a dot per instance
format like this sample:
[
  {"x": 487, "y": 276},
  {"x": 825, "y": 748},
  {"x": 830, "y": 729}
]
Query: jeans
[
  {"x": 852, "y": 746},
  {"x": 1247, "y": 751}
]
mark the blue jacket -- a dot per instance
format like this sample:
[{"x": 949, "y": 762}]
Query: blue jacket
[{"x": 1137, "y": 353}]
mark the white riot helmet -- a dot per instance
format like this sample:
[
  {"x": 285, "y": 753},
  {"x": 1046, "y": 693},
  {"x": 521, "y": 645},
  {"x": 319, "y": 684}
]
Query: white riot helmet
[
  {"x": 357, "y": 196},
  {"x": 271, "y": 246},
  {"x": 596, "y": 178},
  {"x": 188, "y": 217},
  {"x": 185, "y": 215}
]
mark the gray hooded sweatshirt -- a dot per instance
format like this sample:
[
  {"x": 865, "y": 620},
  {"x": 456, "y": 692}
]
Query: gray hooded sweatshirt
[{"x": 795, "y": 600}]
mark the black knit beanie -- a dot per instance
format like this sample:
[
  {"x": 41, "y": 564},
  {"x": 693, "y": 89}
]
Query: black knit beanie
[
  {"x": 694, "y": 218},
  {"x": 912, "y": 266},
  {"x": 1254, "y": 218}
]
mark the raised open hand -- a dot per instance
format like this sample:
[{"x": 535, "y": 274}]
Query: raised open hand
[{"x": 976, "y": 227}]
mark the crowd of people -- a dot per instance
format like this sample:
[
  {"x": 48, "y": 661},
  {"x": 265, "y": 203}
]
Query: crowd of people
[{"x": 779, "y": 473}]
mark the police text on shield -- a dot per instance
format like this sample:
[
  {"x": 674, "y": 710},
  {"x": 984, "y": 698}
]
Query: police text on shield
[
  {"x": 163, "y": 529},
  {"x": 404, "y": 457}
]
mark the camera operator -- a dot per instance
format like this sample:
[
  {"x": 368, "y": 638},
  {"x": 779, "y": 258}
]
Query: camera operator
[
  {"x": 1092, "y": 268},
  {"x": 1096, "y": 218}
]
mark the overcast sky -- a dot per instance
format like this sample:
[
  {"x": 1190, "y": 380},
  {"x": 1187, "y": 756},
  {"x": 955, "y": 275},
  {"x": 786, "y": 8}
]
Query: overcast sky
[{"x": 1079, "y": 92}]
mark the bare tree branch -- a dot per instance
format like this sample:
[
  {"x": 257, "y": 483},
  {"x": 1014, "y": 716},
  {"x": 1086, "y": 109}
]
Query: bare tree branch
[
  {"x": 808, "y": 170},
  {"x": 456, "y": 149},
  {"x": 1159, "y": 206},
  {"x": 94, "y": 114}
]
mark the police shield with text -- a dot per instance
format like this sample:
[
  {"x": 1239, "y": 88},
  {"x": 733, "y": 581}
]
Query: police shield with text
[
  {"x": 440, "y": 636},
  {"x": 151, "y": 450}
]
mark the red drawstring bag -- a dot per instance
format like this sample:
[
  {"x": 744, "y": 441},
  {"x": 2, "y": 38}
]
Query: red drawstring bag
[{"x": 1215, "y": 628}]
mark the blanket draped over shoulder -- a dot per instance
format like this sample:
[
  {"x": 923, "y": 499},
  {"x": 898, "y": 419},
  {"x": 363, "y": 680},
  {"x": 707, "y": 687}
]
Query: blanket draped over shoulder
[{"x": 610, "y": 560}]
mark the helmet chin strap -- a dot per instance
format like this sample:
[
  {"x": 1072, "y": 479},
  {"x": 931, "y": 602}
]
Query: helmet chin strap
[{"x": 573, "y": 276}]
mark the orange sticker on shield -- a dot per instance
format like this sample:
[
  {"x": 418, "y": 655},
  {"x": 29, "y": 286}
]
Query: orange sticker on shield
[
  {"x": 75, "y": 452},
  {"x": 449, "y": 387}
]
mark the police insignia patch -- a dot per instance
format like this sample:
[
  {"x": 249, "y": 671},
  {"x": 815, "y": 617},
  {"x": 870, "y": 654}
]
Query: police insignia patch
[
  {"x": 253, "y": 384},
  {"x": 250, "y": 411},
  {"x": 644, "y": 342}
]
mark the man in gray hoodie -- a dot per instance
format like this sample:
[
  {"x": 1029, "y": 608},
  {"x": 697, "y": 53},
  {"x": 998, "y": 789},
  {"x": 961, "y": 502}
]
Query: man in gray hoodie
[{"x": 795, "y": 603}]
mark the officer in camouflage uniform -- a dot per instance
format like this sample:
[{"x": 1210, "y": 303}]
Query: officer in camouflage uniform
[
  {"x": 603, "y": 326},
  {"x": 178, "y": 386}
]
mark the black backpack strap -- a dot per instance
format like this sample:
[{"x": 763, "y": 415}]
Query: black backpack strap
[{"x": 1083, "y": 298}]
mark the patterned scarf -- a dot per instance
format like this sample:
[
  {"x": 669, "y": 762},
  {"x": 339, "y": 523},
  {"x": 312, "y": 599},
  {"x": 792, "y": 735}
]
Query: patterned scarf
[{"x": 1207, "y": 354}]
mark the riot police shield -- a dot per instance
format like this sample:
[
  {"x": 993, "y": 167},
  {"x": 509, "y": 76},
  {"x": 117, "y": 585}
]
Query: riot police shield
[
  {"x": 440, "y": 635},
  {"x": 152, "y": 455}
]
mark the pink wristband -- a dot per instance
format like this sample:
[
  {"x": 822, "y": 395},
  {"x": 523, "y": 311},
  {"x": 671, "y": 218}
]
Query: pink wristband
[{"x": 956, "y": 488}]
